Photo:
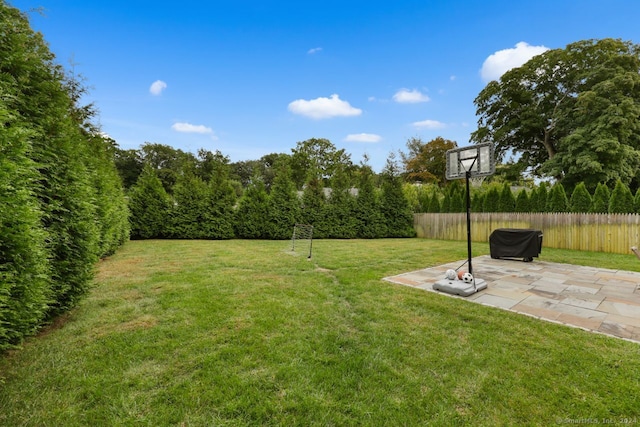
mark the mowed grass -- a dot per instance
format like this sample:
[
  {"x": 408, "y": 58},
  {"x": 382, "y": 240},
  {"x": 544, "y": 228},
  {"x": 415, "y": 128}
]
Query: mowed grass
[{"x": 235, "y": 333}]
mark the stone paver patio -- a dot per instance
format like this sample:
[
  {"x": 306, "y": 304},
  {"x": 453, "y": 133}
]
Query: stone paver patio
[{"x": 594, "y": 299}]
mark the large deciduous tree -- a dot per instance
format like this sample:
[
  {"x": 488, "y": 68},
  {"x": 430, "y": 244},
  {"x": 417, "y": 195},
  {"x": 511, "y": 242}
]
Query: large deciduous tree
[
  {"x": 571, "y": 113},
  {"x": 426, "y": 162},
  {"x": 317, "y": 156}
]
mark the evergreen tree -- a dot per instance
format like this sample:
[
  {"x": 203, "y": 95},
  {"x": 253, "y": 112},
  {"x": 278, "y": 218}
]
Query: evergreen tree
[
  {"x": 423, "y": 198},
  {"x": 445, "y": 207},
  {"x": 580, "y": 199},
  {"x": 506, "y": 201},
  {"x": 340, "y": 207},
  {"x": 534, "y": 201},
  {"x": 251, "y": 214},
  {"x": 457, "y": 199},
  {"x": 434, "y": 203},
  {"x": 522, "y": 201},
  {"x": 150, "y": 207},
  {"x": 477, "y": 202},
  {"x": 284, "y": 205},
  {"x": 190, "y": 194},
  {"x": 314, "y": 207},
  {"x": 394, "y": 206},
  {"x": 557, "y": 200},
  {"x": 219, "y": 210},
  {"x": 621, "y": 200},
  {"x": 543, "y": 197},
  {"x": 491, "y": 200},
  {"x": 636, "y": 201},
  {"x": 601, "y": 197},
  {"x": 368, "y": 215}
]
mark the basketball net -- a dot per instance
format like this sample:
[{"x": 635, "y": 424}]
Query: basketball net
[{"x": 476, "y": 181}]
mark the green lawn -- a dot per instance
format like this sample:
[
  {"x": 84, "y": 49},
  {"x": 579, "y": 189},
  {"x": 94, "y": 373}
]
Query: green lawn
[{"x": 204, "y": 333}]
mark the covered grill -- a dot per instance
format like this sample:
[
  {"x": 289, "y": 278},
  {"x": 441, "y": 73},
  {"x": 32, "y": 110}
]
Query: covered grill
[{"x": 515, "y": 243}]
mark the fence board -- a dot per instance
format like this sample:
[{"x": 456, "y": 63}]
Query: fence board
[{"x": 611, "y": 233}]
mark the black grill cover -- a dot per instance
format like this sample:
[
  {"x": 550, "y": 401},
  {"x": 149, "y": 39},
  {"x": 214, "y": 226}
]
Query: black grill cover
[{"x": 515, "y": 243}]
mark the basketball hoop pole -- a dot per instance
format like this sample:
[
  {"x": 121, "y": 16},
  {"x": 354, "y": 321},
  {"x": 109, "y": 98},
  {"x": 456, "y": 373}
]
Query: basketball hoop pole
[{"x": 467, "y": 175}]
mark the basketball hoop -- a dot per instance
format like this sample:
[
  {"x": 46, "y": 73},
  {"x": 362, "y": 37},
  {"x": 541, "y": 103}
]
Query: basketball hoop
[{"x": 472, "y": 163}]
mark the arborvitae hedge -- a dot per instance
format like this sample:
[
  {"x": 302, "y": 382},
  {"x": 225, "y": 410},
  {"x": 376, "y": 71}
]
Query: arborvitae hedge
[
  {"x": 600, "y": 203},
  {"x": 150, "y": 207},
  {"x": 434, "y": 203},
  {"x": 580, "y": 199},
  {"x": 542, "y": 198},
  {"x": 395, "y": 209},
  {"x": 621, "y": 200},
  {"x": 24, "y": 266},
  {"x": 491, "y": 200},
  {"x": 251, "y": 213},
  {"x": 557, "y": 199},
  {"x": 190, "y": 200},
  {"x": 61, "y": 206},
  {"x": 283, "y": 206},
  {"x": 506, "y": 202},
  {"x": 369, "y": 220},
  {"x": 314, "y": 206},
  {"x": 522, "y": 201},
  {"x": 340, "y": 208}
]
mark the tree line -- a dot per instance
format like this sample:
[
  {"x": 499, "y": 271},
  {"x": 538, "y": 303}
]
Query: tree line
[
  {"x": 62, "y": 204},
  {"x": 198, "y": 207},
  {"x": 503, "y": 197}
]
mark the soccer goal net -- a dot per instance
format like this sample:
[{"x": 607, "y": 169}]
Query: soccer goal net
[{"x": 302, "y": 239}]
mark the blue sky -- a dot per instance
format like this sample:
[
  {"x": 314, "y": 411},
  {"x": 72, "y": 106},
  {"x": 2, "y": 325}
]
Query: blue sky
[{"x": 251, "y": 78}]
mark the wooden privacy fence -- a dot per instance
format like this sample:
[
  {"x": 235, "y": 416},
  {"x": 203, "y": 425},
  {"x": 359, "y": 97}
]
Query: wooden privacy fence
[{"x": 612, "y": 233}]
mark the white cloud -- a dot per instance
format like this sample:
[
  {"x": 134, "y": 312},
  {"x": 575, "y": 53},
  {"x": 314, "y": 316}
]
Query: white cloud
[
  {"x": 429, "y": 124},
  {"x": 504, "y": 60},
  {"x": 323, "y": 108},
  {"x": 363, "y": 137},
  {"x": 314, "y": 50},
  {"x": 157, "y": 87},
  {"x": 189, "y": 128},
  {"x": 406, "y": 96}
]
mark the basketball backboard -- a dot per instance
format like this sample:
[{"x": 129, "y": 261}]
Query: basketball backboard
[{"x": 478, "y": 158}]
